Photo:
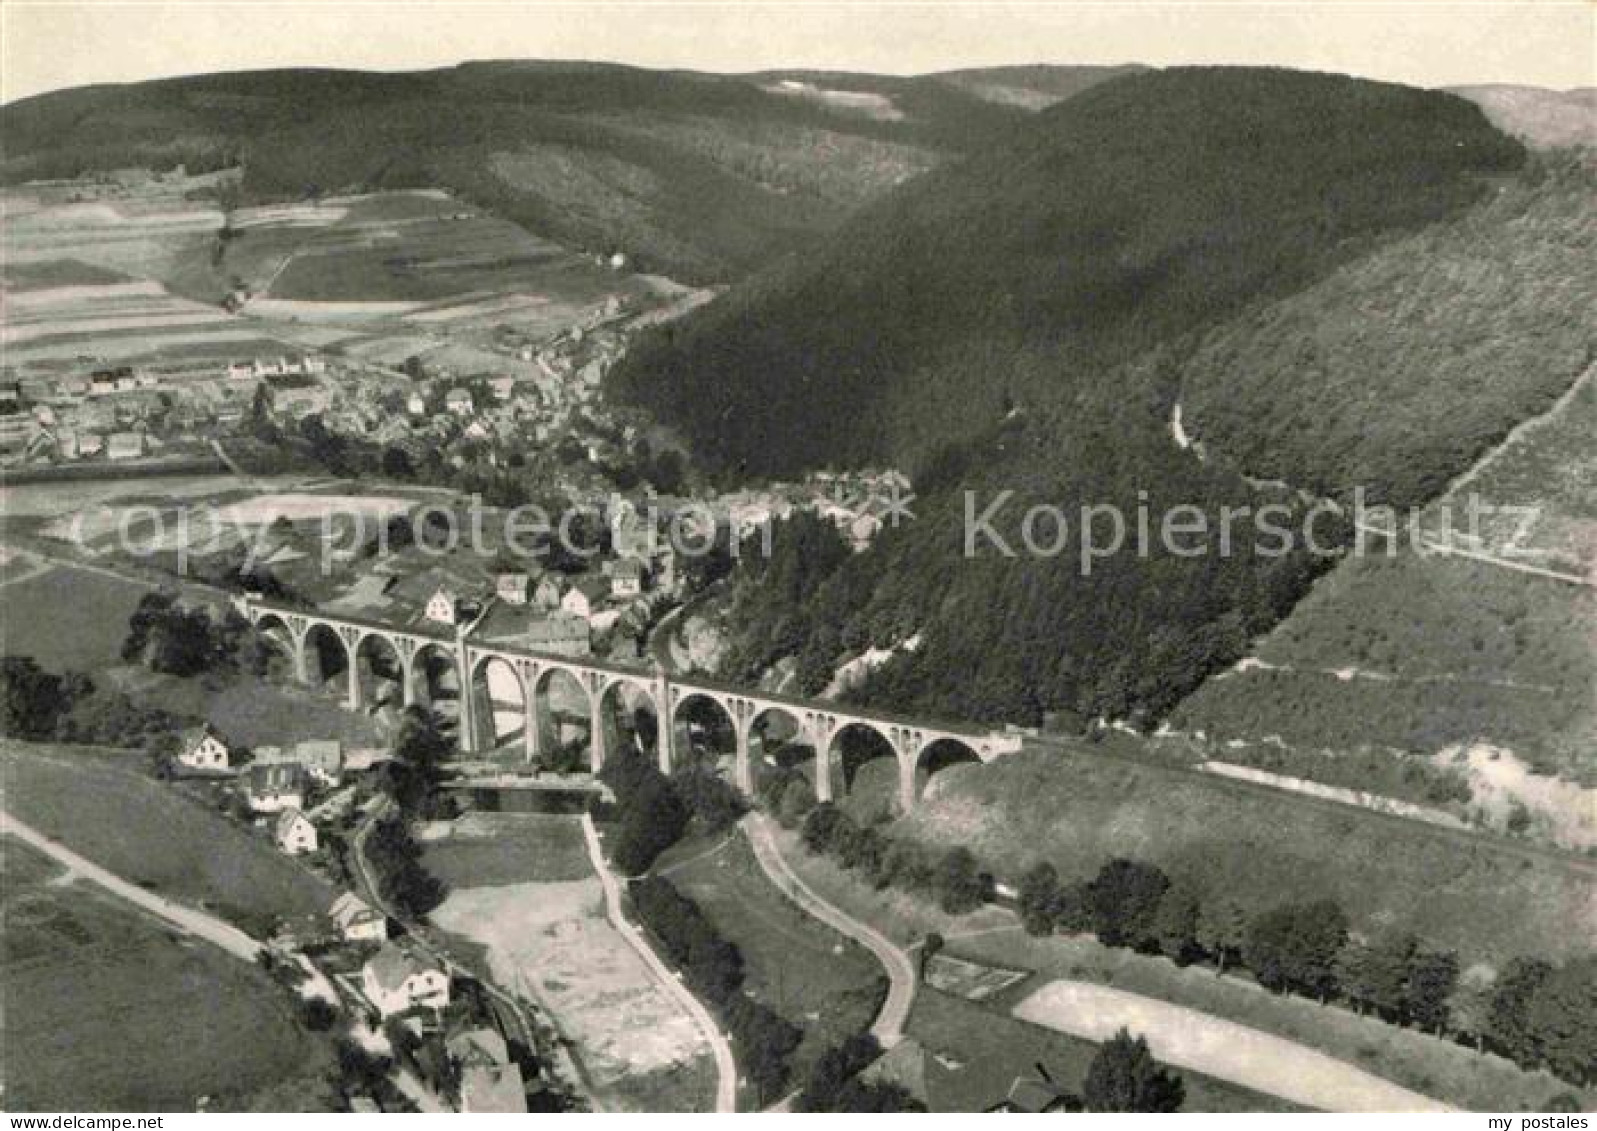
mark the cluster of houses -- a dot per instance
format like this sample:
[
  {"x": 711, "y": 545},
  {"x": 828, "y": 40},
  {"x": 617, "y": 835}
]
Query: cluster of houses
[
  {"x": 125, "y": 412},
  {"x": 277, "y": 783},
  {"x": 396, "y": 980}
]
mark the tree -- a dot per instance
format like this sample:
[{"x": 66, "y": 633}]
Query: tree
[
  {"x": 1039, "y": 898},
  {"x": 1175, "y": 924},
  {"x": 797, "y": 799},
  {"x": 1560, "y": 1014},
  {"x": 1125, "y": 1077},
  {"x": 1511, "y": 1024},
  {"x": 1222, "y": 927},
  {"x": 1295, "y": 947},
  {"x": 1469, "y": 1006},
  {"x": 1123, "y": 899},
  {"x": 820, "y": 827},
  {"x": 1375, "y": 973},
  {"x": 1431, "y": 979},
  {"x": 959, "y": 884},
  {"x": 30, "y": 699}
]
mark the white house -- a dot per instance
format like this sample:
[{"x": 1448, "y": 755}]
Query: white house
[
  {"x": 502, "y": 387},
  {"x": 459, "y": 402},
  {"x": 240, "y": 371},
  {"x": 294, "y": 833},
  {"x": 203, "y": 749},
  {"x": 356, "y": 920},
  {"x": 416, "y": 404},
  {"x": 443, "y": 606},
  {"x": 397, "y": 979}
]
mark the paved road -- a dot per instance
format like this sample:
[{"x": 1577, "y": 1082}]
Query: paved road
[
  {"x": 186, "y": 919},
  {"x": 1225, "y": 1049},
  {"x": 725, "y": 1067},
  {"x": 900, "y": 967}
]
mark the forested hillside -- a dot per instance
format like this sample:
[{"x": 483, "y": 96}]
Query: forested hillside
[
  {"x": 1020, "y": 322},
  {"x": 699, "y": 176}
]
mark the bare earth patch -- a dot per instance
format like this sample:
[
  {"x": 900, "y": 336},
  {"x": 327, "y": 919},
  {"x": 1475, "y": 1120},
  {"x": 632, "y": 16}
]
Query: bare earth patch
[
  {"x": 551, "y": 941},
  {"x": 1245, "y": 1056}
]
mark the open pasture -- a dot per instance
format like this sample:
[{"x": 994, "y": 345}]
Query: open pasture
[
  {"x": 102, "y": 806},
  {"x": 107, "y": 1010}
]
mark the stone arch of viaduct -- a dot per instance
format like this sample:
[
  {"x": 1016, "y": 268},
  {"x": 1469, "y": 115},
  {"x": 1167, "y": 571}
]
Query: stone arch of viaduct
[{"x": 816, "y": 723}]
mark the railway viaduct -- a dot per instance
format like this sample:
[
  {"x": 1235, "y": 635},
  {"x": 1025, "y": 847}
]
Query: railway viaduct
[{"x": 918, "y": 745}]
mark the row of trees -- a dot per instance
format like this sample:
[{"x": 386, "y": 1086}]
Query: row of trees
[
  {"x": 713, "y": 968},
  {"x": 1531, "y": 1014},
  {"x": 403, "y": 881}
]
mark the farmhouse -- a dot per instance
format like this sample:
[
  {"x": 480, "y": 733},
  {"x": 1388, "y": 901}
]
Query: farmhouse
[
  {"x": 240, "y": 371},
  {"x": 459, "y": 402},
  {"x": 294, "y": 833},
  {"x": 271, "y": 789},
  {"x": 203, "y": 749},
  {"x": 397, "y": 979},
  {"x": 321, "y": 759},
  {"x": 356, "y": 920},
  {"x": 501, "y": 387}
]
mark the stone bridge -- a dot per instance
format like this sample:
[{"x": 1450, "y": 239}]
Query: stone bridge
[{"x": 920, "y": 746}]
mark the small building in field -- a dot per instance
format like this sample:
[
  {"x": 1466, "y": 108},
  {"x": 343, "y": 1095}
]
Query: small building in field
[
  {"x": 203, "y": 749},
  {"x": 294, "y": 833},
  {"x": 397, "y": 979},
  {"x": 459, "y": 401},
  {"x": 356, "y": 920},
  {"x": 502, "y": 387}
]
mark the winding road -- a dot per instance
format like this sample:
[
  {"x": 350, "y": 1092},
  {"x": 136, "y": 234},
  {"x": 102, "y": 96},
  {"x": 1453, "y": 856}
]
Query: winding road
[
  {"x": 184, "y": 918},
  {"x": 889, "y": 1026}
]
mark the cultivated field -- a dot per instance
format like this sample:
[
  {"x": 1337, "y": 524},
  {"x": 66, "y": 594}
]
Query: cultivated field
[
  {"x": 551, "y": 941},
  {"x": 104, "y": 807},
  {"x": 828, "y": 985},
  {"x": 108, "y": 1010}
]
